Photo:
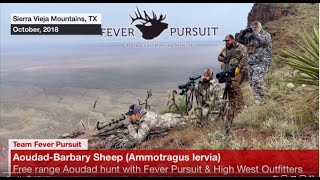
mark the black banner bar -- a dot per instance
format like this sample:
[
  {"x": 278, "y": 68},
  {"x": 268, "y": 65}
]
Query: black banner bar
[{"x": 56, "y": 29}]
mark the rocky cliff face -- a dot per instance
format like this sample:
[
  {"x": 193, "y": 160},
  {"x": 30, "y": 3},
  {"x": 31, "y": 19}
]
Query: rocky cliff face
[
  {"x": 285, "y": 21},
  {"x": 268, "y": 12}
]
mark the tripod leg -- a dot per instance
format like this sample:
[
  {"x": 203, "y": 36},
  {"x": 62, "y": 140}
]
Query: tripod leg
[
  {"x": 223, "y": 106},
  {"x": 229, "y": 121},
  {"x": 191, "y": 104},
  {"x": 196, "y": 96},
  {"x": 186, "y": 102},
  {"x": 229, "y": 116}
]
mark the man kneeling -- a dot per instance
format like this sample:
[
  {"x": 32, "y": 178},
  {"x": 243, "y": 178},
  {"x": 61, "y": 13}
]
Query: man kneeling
[
  {"x": 208, "y": 98},
  {"x": 208, "y": 88}
]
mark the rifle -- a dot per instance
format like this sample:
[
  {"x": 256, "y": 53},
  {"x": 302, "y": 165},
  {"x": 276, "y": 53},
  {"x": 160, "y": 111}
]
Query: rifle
[
  {"x": 106, "y": 128},
  {"x": 190, "y": 85}
]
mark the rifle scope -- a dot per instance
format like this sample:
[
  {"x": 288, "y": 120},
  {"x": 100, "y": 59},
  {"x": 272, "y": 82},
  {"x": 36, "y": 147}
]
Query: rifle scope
[{"x": 194, "y": 78}]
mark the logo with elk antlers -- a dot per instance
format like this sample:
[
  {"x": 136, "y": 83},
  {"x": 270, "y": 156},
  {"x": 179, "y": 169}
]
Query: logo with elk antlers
[{"x": 150, "y": 31}]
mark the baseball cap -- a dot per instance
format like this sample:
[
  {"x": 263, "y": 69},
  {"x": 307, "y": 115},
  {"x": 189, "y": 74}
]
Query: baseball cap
[
  {"x": 229, "y": 36},
  {"x": 133, "y": 109}
]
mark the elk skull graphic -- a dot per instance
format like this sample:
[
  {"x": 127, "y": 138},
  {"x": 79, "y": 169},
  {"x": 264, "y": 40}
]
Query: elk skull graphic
[{"x": 156, "y": 28}]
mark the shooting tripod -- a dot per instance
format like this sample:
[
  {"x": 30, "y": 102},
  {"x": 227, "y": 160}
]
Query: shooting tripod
[
  {"x": 226, "y": 111},
  {"x": 188, "y": 93}
]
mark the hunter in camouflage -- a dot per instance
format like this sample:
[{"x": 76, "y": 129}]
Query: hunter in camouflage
[
  {"x": 208, "y": 88},
  {"x": 209, "y": 94},
  {"x": 142, "y": 123},
  {"x": 234, "y": 54},
  {"x": 259, "y": 46}
]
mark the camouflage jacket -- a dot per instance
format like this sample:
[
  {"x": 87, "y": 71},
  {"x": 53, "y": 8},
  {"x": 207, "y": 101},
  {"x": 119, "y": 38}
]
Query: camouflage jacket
[
  {"x": 237, "y": 55},
  {"x": 259, "y": 47},
  {"x": 151, "y": 122},
  {"x": 209, "y": 91},
  {"x": 210, "y": 100}
]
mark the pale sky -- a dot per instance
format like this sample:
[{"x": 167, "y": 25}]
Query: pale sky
[{"x": 228, "y": 17}]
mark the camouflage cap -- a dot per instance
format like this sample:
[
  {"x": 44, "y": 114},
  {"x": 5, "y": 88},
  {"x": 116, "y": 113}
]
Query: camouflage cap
[
  {"x": 208, "y": 73},
  {"x": 255, "y": 24},
  {"x": 228, "y": 37},
  {"x": 133, "y": 109}
]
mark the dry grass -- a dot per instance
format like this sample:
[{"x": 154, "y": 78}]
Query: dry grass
[
  {"x": 283, "y": 122},
  {"x": 288, "y": 120},
  {"x": 288, "y": 28},
  {"x": 178, "y": 139}
]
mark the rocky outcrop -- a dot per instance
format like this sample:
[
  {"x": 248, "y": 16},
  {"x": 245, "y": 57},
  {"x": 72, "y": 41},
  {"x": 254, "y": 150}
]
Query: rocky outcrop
[{"x": 265, "y": 13}]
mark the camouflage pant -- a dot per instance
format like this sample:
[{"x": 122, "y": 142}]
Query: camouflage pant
[
  {"x": 203, "y": 94},
  {"x": 236, "y": 96},
  {"x": 244, "y": 77},
  {"x": 256, "y": 80},
  {"x": 117, "y": 142}
]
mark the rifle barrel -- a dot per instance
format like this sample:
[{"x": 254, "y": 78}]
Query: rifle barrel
[{"x": 99, "y": 126}]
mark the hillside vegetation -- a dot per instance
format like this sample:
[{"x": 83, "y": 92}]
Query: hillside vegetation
[{"x": 289, "y": 119}]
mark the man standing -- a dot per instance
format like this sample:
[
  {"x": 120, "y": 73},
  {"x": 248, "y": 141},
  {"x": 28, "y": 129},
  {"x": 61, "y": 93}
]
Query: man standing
[
  {"x": 259, "y": 46},
  {"x": 234, "y": 55}
]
